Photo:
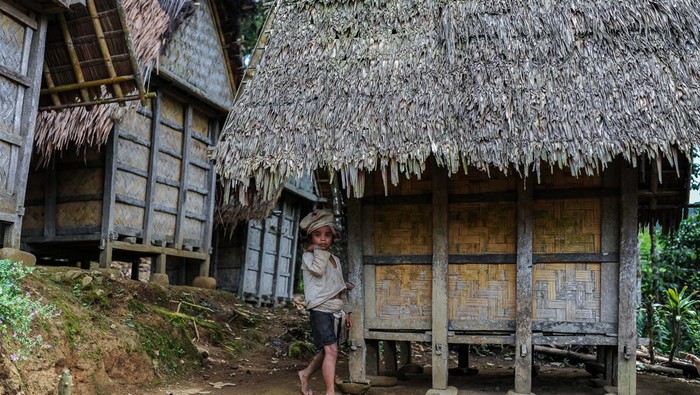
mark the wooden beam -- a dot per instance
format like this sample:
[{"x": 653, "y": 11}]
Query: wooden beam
[
  {"x": 465, "y": 259},
  {"x": 609, "y": 243},
  {"x": 397, "y": 336},
  {"x": 109, "y": 197},
  {"x": 152, "y": 174},
  {"x": 19, "y": 16},
  {"x": 210, "y": 200},
  {"x": 358, "y": 347},
  {"x": 89, "y": 103},
  {"x": 155, "y": 250},
  {"x": 523, "y": 304},
  {"x": 629, "y": 267},
  {"x": 184, "y": 178},
  {"x": 15, "y": 76},
  {"x": 90, "y": 84},
  {"x": 34, "y": 60},
  {"x": 440, "y": 349}
]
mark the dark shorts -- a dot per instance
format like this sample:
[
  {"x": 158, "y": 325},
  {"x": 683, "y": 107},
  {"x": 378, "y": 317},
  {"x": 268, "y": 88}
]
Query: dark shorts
[{"x": 322, "y": 329}]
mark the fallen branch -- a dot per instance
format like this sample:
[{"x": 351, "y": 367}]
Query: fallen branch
[{"x": 565, "y": 353}]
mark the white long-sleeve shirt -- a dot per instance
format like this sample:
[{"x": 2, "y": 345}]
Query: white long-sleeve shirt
[{"x": 322, "y": 281}]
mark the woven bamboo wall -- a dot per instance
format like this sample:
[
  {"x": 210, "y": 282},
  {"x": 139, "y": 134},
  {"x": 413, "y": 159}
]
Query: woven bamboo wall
[
  {"x": 168, "y": 167},
  {"x": 476, "y": 181},
  {"x": 197, "y": 177},
  {"x": 567, "y": 226},
  {"x": 479, "y": 228},
  {"x": 126, "y": 183},
  {"x": 562, "y": 179},
  {"x": 406, "y": 186},
  {"x": 566, "y": 292},
  {"x": 481, "y": 292},
  {"x": 73, "y": 183},
  {"x": 33, "y": 221},
  {"x": 403, "y": 229},
  {"x": 404, "y": 292}
]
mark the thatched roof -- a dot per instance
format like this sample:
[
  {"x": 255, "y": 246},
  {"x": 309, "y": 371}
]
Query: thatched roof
[
  {"x": 153, "y": 25},
  {"x": 79, "y": 126},
  {"x": 352, "y": 85}
]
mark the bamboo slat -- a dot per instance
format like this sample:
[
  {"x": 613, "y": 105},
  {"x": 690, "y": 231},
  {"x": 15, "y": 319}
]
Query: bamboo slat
[
  {"x": 75, "y": 61},
  {"x": 168, "y": 167},
  {"x": 133, "y": 154},
  {"x": 567, "y": 292},
  {"x": 403, "y": 229},
  {"x": 128, "y": 184},
  {"x": 166, "y": 196},
  {"x": 137, "y": 124},
  {"x": 164, "y": 224},
  {"x": 572, "y": 225},
  {"x": 476, "y": 181},
  {"x": 75, "y": 214},
  {"x": 480, "y": 228},
  {"x": 33, "y": 218},
  {"x": 482, "y": 292},
  {"x": 75, "y": 182},
  {"x": 128, "y": 216},
  {"x": 403, "y": 292}
]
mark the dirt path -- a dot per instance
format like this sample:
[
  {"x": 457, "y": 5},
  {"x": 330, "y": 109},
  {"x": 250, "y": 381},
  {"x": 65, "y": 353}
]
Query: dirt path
[{"x": 280, "y": 378}]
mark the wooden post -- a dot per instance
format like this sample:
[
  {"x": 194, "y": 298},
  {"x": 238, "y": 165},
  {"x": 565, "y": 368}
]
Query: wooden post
[
  {"x": 609, "y": 271},
  {"x": 108, "y": 198},
  {"x": 405, "y": 355},
  {"x": 440, "y": 277},
  {"x": 209, "y": 201},
  {"x": 523, "y": 304},
  {"x": 30, "y": 107},
  {"x": 629, "y": 266},
  {"x": 152, "y": 170},
  {"x": 160, "y": 263},
  {"x": 184, "y": 181},
  {"x": 358, "y": 348}
]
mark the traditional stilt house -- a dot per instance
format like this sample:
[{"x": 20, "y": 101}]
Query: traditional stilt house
[
  {"x": 126, "y": 182},
  {"x": 23, "y": 39},
  {"x": 499, "y": 158}
]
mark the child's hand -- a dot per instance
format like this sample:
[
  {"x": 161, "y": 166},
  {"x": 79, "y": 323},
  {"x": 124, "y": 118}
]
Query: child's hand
[
  {"x": 311, "y": 248},
  {"x": 349, "y": 286},
  {"x": 348, "y": 321}
]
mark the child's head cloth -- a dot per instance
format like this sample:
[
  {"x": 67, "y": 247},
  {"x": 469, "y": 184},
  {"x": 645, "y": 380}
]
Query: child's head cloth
[{"x": 318, "y": 219}]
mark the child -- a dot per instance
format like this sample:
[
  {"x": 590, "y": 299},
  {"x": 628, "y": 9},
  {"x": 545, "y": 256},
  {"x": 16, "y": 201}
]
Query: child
[{"x": 323, "y": 286}]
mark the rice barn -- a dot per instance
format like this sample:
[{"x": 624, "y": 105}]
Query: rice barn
[{"x": 498, "y": 158}]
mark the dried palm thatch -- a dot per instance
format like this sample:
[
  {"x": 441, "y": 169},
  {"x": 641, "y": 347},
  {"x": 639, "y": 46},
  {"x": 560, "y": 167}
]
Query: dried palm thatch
[
  {"x": 351, "y": 86},
  {"x": 79, "y": 127}
]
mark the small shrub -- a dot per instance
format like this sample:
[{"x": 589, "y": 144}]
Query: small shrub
[{"x": 18, "y": 310}]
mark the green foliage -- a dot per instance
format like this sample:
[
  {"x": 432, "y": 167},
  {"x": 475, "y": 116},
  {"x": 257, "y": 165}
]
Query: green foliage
[
  {"x": 679, "y": 311},
  {"x": 252, "y": 22},
  {"x": 667, "y": 316},
  {"x": 18, "y": 310}
]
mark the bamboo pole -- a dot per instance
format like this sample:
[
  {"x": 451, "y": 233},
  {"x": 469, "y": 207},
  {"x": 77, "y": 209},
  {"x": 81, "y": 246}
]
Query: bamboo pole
[
  {"x": 88, "y": 84},
  {"x": 49, "y": 82},
  {"x": 97, "y": 102},
  {"x": 75, "y": 62},
  {"x": 92, "y": 9}
]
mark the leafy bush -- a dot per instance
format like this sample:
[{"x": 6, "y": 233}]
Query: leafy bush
[
  {"x": 18, "y": 310},
  {"x": 669, "y": 264}
]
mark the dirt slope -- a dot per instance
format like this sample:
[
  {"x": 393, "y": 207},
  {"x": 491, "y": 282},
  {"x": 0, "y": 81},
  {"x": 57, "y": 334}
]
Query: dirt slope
[{"x": 118, "y": 336}]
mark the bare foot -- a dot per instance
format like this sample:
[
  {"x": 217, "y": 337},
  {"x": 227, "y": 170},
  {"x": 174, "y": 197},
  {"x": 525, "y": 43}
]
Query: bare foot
[{"x": 305, "y": 390}]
